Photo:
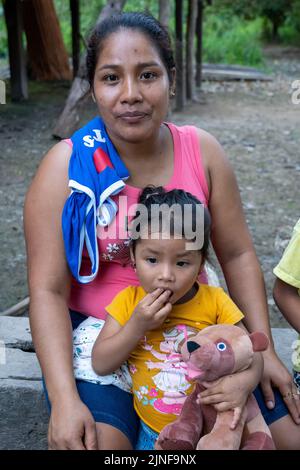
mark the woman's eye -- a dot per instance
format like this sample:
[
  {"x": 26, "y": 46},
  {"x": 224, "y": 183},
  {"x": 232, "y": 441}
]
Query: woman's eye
[
  {"x": 151, "y": 260},
  {"x": 110, "y": 78},
  {"x": 149, "y": 75}
]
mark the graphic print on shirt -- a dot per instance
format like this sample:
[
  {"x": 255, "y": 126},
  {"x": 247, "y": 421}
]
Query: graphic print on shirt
[{"x": 171, "y": 379}]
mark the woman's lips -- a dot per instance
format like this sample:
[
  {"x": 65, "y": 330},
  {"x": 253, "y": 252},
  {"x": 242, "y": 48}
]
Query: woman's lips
[{"x": 132, "y": 117}]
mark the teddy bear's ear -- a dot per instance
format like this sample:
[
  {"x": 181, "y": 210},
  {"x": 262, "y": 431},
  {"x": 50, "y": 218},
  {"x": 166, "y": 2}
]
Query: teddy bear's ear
[{"x": 259, "y": 340}]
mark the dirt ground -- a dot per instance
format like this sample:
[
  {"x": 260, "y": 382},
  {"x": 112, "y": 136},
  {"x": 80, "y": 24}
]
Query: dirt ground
[{"x": 256, "y": 123}]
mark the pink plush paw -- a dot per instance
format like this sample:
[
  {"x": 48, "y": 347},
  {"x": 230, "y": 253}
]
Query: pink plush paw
[{"x": 259, "y": 441}]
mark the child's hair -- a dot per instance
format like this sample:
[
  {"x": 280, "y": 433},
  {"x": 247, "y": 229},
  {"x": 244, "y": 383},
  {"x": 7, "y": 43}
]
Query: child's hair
[{"x": 165, "y": 201}]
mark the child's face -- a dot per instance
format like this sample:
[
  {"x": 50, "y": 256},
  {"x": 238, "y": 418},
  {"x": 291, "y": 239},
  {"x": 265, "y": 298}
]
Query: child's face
[{"x": 168, "y": 265}]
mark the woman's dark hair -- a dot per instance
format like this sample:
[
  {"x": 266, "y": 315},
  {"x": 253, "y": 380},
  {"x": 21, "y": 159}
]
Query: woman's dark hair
[
  {"x": 152, "y": 196},
  {"x": 142, "y": 22}
]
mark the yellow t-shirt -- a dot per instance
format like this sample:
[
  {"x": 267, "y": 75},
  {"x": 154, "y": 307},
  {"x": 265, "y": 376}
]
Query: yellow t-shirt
[
  {"x": 158, "y": 375},
  {"x": 288, "y": 270}
]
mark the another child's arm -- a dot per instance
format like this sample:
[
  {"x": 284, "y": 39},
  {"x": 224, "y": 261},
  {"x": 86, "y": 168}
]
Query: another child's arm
[
  {"x": 115, "y": 343},
  {"x": 288, "y": 301}
]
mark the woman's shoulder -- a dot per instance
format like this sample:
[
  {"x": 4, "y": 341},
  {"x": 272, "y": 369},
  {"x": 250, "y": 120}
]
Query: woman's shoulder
[{"x": 211, "y": 149}]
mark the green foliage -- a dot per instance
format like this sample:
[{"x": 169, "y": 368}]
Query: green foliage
[
  {"x": 89, "y": 12},
  {"x": 289, "y": 33},
  {"x": 232, "y": 28},
  {"x": 3, "y": 36},
  {"x": 231, "y": 40}
]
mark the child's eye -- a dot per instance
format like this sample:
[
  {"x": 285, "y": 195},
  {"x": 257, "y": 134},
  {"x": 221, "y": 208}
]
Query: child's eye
[
  {"x": 148, "y": 75},
  {"x": 151, "y": 260},
  {"x": 182, "y": 263}
]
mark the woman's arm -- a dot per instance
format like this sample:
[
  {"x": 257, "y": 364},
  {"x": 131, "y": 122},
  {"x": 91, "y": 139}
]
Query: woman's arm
[
  {"x": 231, "y": 238},
  {"x": 288, "y": 301},
  {"x": 49, "y": 286},
  {"x": 234, "y": 249}
]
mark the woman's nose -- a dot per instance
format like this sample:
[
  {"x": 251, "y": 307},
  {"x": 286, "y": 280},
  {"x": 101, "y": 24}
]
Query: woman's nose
[{"x": 130, "y": 91}]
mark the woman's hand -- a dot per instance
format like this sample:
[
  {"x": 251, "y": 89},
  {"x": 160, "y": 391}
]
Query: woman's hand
[
  {"x": 227, "y": 393},
  {"x": 72, "y": 427},
  {"x": 276, "y": 374}
]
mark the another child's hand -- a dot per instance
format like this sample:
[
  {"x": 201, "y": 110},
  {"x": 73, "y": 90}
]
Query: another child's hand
[
  {"x": 226, "y": 393},
  {"x": 152, "y": 310}
]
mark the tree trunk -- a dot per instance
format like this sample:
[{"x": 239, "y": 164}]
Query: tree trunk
[
  {"x": 199, "y": 33},
  {"x": 17, "y": 63},
  {"x": 79, "y": 92},
  {"x": 180, "y": 75},
  {"x": 190, "y": 49},
  {"x": 75, "y": 20},
  {"x": 47, "y": 55},
  {"x": 164, "y": 12}
]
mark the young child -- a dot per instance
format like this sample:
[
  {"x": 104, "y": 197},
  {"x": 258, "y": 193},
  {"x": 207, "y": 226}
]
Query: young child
[
  {"x": 287, "y": 293},
  {"x": 147, "y": 324}
]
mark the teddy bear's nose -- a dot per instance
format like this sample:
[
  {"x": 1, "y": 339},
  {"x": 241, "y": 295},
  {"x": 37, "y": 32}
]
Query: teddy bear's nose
[{"x": 192, "y": 346}]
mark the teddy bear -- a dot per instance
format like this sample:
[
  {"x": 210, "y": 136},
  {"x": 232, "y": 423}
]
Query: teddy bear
[{"x": 214, "y": 352}]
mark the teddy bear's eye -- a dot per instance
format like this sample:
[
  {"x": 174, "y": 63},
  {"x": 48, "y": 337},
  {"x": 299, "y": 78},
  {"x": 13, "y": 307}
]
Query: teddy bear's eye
[{"x": 221, "y": 346}]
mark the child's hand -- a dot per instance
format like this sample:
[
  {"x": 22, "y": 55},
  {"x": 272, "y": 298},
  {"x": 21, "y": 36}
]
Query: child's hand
[
  {"x": 152, "y": 310},
  {"x": 226, "y": 393}
]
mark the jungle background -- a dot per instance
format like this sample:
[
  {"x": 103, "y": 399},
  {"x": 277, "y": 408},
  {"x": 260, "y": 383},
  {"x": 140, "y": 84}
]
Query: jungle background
[{"x": 255, "y": 120}]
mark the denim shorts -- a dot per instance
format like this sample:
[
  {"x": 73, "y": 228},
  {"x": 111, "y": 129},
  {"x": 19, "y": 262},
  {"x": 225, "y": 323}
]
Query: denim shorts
[
  {"x": 108, "y": 404},
  {"x": 147, "y": 438},
  {"x": 279, "y": 411}
]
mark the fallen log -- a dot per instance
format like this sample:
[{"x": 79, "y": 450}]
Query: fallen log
[{"x": 17, "y": 309}]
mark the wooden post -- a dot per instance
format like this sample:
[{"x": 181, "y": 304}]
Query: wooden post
[
  {"x": 17, "y": 63},
  {"x": 164, "y": 12},
  {"x": 180, "y": 74},
  {"x": 190, "y": 49},
  {"x": 75, "y": 20},
  {"x": 199, "y": 33}
]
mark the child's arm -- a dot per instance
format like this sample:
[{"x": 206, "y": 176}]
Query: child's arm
[
  {"x": 288, "y": 301},
  {"x": 115, "y": 343}
]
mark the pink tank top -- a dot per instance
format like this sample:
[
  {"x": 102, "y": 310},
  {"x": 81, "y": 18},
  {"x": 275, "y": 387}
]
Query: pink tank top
[{"x": 115, "y": 269}]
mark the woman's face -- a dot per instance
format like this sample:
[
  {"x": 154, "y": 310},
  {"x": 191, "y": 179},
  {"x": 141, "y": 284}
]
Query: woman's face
[{"x": 131, "y": 86}]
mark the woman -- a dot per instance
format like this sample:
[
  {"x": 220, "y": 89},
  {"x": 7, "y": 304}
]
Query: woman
[{"x": 132, "y": 76}]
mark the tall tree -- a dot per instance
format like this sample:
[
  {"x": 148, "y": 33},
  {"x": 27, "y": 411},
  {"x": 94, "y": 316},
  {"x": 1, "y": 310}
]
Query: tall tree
[
  {"x": 17, "y": 63},
  {"x": 47, "y": 55},
  {"x": 75, "y": 20},
  {"x": 69, "y": 118},
  {"x": 180, "y": 70},
  {"x": 190, "y": 49},
  {"x": 164, "y": 12},
  {"x": 199, "y": 32}
]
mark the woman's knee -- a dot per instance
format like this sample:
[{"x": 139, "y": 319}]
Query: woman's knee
[
  {"x": 111, "y": 438},
  {"x": 286, "y": 434}
]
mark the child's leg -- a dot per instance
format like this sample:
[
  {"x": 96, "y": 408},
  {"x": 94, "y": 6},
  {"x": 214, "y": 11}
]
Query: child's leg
[{"x": 110, "y": 438}]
